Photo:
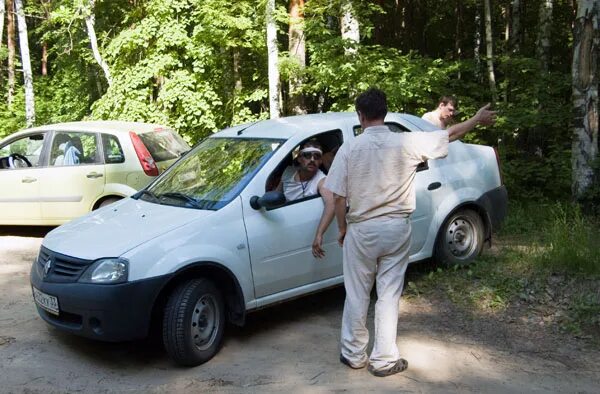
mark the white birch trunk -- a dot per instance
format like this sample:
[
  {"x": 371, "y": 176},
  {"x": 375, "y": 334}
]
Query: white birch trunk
[
  {"x": 2, "y": 12},
  {"x": 515, "y": 31},
  {"x": 26, "y": 62},
  {"x": 90, "y": 21},
  {"x": 544, "y": 33},
  {"x": 350, "y": 26},
  {"x": 586, "y": 48},
  {"x": 490, "y": 49},
  {"x": 273, "y": 54}
]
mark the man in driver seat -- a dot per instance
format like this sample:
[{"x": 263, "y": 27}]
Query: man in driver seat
[{"x": 305, "y": 180}]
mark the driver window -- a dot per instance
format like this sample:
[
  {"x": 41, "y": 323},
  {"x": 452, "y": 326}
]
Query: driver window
[
  {"x": 298, "y": 175},
  {"x": 29, "y": 147}
]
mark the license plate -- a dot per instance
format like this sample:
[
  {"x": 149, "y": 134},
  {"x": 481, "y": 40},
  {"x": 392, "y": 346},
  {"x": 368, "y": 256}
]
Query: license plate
[{"x": 46, "y": 301}]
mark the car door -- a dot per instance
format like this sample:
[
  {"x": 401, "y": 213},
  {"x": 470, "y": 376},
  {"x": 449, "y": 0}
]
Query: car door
[
  {"x": 74, "y": 178},
  {"x": 20, "y": 196},
  {"x": 280, "y": 239}
]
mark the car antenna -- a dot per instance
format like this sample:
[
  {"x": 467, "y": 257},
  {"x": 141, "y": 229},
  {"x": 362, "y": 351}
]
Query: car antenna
[{"x": 250, "y": 125}]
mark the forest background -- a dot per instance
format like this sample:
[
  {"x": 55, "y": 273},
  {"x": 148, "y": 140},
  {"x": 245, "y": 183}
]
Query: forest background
[{"x": 200, "y": 66}]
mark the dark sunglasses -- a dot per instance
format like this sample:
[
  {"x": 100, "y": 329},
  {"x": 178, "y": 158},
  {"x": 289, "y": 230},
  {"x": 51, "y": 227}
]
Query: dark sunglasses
[{"x": 311, "y": 155}]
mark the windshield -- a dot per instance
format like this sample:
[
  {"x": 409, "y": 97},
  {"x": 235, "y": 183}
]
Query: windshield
[{"x": 212, "y": 174}]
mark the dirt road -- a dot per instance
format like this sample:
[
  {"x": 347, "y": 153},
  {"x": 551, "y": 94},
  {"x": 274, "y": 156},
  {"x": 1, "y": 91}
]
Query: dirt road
[{"x": 289, "y": 348}]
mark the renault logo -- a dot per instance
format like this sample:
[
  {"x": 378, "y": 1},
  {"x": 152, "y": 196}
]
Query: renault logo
[{"x": 47, "y": 267}]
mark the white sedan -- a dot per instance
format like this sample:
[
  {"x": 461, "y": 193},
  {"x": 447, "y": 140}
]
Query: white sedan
[{"x": 212, "y": 239}]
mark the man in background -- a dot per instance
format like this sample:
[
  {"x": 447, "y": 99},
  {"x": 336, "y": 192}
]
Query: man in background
[{"x": 444, "y": 113}]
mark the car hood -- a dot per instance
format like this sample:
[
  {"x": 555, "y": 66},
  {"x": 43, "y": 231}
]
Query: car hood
[{"x": 113, "y": 230}]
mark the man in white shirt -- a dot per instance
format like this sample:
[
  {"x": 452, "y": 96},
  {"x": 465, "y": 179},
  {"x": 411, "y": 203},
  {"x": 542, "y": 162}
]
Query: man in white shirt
[
  {"x": 444, "y": 113},
  {"x": 373, "y": 175},
  {"x": 305, "y": 180}
]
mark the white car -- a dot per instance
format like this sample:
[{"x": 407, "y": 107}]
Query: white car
[
  {"x": 52, "y": 174},
  {"x": 211, "y": 240}
]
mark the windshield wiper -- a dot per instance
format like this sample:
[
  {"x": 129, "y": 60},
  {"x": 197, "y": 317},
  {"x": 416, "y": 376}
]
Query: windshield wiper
[
  {"x": 145, "y": 193},
  {"x": 181, "y": 196}
]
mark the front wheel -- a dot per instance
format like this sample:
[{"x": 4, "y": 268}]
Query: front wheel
[
  {"x": 461, "y": 238},
  {"x": 194, "y": 322}
]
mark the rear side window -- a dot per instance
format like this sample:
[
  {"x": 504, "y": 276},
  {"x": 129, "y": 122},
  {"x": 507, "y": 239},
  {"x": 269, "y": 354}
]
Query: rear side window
[
  {"x": 113, "y": 153},
  {"x": 395, "y": 127},
  {"x": 164, "y": 144}
]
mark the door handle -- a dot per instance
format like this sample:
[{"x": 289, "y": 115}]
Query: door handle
[
  {"x": 28, "y": 180},
  {"x": 434, "y": 185},
  {"x": 94, "y": 175}
]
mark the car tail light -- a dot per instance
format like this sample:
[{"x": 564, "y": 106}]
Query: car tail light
[
  {"x": 146, "y": 159},
  {"x": 499, "y": 168}
]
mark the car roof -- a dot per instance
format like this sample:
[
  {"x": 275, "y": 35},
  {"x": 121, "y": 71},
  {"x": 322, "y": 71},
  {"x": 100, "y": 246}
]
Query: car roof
[
  {"x": 287, "y": 127},
  {"x": 114, "y": 126},
  {"x": 290, "y": 126}
]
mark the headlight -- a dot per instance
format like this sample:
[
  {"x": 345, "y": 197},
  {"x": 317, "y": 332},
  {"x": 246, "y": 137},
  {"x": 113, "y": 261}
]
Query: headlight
[{"x": 107, "y": 271}]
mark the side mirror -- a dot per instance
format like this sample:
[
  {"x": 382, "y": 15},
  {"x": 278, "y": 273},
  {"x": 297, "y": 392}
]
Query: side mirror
[{"x": 269, "y": 200}]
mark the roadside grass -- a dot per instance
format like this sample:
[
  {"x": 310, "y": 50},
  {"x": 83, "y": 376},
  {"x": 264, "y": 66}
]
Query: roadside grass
[{"x": 544, "y": 268}]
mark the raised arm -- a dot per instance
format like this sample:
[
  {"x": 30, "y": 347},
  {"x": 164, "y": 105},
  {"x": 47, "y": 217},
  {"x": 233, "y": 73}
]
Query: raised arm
[{"x": 484, "y": 117}]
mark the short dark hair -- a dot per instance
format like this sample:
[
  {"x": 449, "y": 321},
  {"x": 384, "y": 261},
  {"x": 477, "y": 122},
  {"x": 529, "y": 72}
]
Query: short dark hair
[
  {"x": 448, "y": 99},
  {"x": 372, "y": 104}
]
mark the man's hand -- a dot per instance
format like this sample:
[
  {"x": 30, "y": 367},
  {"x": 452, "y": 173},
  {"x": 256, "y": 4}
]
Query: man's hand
[
  {"x": 341, "y": 236},
  {"x": 486, "y": 117},
  {"x": 317, "y": 249}
]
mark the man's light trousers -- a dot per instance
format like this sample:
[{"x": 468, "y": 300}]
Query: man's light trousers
[{"x": 375, "y": 251}]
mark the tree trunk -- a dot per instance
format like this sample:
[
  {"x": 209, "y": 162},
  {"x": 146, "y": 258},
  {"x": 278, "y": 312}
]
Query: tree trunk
[
  {"x": 26, "y": 62},
  {"x": 90, "y": 21},
  {"x": 490, "y": 49},
  {"x": 350, "y": 26},
  {"x": 515, "y": 30},
  {"x": 10, "y": 43},
  {"x": 2, "y": 14},
  {"x": 544, "y": 32},
  {"x": 237, "y": 75},
  {"x": 458, "y": 32},
  {"x": 273, "y": 54},
  {"x": 477, "y": 42},
  {"x": 297, "y": 49},
  {"x": 586, "y": 48},
  {"x": 46, "y": 9}
]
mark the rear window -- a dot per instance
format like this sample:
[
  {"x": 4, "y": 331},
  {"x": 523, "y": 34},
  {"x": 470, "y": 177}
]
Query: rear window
[{"x": 164, "y": 144}]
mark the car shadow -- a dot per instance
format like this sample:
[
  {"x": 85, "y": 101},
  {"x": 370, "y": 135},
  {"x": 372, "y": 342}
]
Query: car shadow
[{"x": 26, "y": 231}]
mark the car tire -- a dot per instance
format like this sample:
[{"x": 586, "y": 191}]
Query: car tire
[
  {"x": 460, "y": 239},
  {"x": 108, "y": 201},
  {"x": 194, "y": 322}
]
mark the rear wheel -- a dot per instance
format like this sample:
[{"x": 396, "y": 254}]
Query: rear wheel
[
  {"x": 461, "y": 238},
  {"x": 194, "y": 322}
]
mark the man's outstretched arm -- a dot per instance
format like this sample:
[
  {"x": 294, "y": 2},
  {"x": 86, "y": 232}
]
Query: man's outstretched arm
[{"x": 484, "y": 117}]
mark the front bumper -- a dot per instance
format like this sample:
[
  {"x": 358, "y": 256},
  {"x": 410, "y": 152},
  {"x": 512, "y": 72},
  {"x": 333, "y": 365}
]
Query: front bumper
[{"x": 103, "y": 312}]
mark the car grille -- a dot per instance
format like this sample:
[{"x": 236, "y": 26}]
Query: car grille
[{"x": 62, "y": 268}]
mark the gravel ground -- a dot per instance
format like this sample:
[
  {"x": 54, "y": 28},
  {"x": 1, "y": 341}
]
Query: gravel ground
[{"x": 292, "y": 347}]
